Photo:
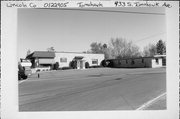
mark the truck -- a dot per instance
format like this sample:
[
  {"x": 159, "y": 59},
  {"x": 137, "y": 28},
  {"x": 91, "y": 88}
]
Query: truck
[
  {"x": 24, "y": 69},
  {"x": 26, "y": 64},
  {"x": 21, "y": 72}
]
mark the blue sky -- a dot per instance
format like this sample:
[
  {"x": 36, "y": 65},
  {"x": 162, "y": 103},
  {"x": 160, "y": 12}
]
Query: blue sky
[{"x": 74, "y": 31}]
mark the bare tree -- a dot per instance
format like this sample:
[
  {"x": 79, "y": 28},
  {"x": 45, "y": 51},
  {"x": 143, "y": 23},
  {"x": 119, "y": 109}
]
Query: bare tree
[
  {"x": 117, "y": 48},
  {"x": 96, "y": 47},
  {"x": 100, "y": 48},
  {"x": 121, "y": 48},
  {"x": 150, "y": 50},
  {"x": 51, "y": 49},
  {"x": 28, "y": 52}
]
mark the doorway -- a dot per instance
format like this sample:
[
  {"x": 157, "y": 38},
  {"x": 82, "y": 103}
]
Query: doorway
[{"x": 80, "y": 63}]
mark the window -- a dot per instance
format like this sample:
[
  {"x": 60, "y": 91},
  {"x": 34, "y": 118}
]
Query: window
[
  {"x": 119, "y": 62},
  {"x": 142, "y": 60},
  {"x": 157, "y": 60},
  {"x": 94, "y": 61},
  {"x": 132, "y": 62},
  {"x": 126, "y": 61},
  {"x": 63, "y": 59}
]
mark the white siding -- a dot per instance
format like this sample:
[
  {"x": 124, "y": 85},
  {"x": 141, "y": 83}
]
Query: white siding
[
  {"x": 155, "y": 64},
  {"x": 46, "y": 61},
  {"x": 70, "y": 56}
]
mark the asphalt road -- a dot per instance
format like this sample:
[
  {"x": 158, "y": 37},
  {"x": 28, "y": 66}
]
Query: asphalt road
[{"x": 91, "y": 89}]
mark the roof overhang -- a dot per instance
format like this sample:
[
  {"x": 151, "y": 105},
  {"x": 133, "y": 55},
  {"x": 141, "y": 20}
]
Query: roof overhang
[
  {"x": 78, "y": 57},
  {"x": 41, "y": 54}
]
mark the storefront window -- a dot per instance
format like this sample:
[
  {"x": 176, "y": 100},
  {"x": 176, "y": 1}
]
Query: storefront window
[
  {"x": 142, "y": 60},
  {"x": 132, "y": 62},
  {"x": 119, "y": 62},
  {"x": 94, "y": 61},
  {"x": 63, "y": 59},
  {"x": 157, "y": 60}
]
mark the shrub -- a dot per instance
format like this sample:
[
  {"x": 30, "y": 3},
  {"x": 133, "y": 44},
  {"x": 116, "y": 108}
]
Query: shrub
[
  {"x": 56, "y": 66},
  {"x": 86, "y": 65},
  {"x": 103, "y": 63},
  {"x": 73, "y": 64},
  {"x": 110, "y": 63}
]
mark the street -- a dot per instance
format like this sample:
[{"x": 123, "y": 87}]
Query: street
[{"x": 91, "y": 89}]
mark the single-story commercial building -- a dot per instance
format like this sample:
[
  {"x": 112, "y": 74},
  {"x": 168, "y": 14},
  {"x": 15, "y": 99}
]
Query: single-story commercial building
[
  {"x": 81, "y": 60},
  {"x": 41, "y": 60},
  {"x": 65, "y": 59},
  {"x": 140, "y": 62}
]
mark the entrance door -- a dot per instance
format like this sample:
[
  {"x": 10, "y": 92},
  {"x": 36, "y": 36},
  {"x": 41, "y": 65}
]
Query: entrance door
[
  {"x": 81, "y": 64},
  {"x": 78, "y": 64}
]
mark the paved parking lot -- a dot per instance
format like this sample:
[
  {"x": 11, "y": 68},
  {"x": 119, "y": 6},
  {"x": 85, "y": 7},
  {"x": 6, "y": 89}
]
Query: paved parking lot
[{"x": 91, "y": 89}]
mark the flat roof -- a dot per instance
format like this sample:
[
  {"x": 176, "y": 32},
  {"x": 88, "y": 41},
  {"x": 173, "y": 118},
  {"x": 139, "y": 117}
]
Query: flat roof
[
  {"x": 137, "y": 58},
  {"x": 48, "y": 54},
  {"x": 77, "y": 52}
]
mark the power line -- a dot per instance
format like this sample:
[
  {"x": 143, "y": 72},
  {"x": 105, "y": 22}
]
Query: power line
[
  {"x": 150, "y": 37},
  {"x": 100, "y": 10}
]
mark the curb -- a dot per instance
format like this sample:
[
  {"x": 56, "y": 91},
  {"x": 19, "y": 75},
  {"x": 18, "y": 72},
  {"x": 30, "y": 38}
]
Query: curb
[{"x": 151, "y": 102}]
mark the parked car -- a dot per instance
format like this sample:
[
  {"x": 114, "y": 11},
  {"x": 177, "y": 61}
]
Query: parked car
[
  {"x": 27, "y": 70},
  {"x": 21, "y": 73}
]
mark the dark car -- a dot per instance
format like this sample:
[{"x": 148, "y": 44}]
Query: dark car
[{"x": 21, "y": 73}]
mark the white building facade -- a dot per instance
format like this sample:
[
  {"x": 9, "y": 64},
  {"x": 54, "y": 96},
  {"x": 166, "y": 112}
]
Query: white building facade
[{"x": 65, "y": 59}]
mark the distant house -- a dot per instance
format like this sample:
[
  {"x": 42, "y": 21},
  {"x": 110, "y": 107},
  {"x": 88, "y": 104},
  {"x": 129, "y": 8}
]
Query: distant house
[
  {"x": 45, "y": 59},
  {"x": 140, "y": 62},
  {"x": 41, "y": 59}
]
